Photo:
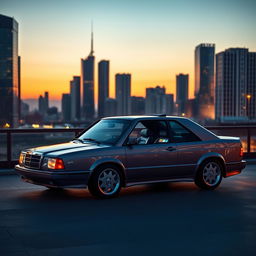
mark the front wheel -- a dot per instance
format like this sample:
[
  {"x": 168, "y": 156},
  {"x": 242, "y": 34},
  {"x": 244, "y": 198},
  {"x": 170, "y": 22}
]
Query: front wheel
[
  {"x": 209, "y": 175},
  {"x": 105, "y": 182}
]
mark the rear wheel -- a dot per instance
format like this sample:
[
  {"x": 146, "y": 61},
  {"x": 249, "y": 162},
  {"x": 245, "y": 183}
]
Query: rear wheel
[
  {"x": 105, "y": 182},
  {"x": 209, "y": 175}
]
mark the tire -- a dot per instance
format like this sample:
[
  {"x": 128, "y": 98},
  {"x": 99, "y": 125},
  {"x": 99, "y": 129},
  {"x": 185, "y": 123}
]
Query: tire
[
  {"x": 209, "y": 175},
  {"x": 105, "y": 181}
]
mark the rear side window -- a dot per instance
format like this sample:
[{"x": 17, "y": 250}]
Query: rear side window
[{"x": 179, "y": 133}]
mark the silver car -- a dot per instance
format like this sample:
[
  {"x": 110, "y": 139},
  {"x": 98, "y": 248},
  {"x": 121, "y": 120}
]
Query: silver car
[{"x": 117, "y": 152}]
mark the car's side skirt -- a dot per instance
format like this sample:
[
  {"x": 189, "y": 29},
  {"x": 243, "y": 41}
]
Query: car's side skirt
[{"x": 159, "y": 181}]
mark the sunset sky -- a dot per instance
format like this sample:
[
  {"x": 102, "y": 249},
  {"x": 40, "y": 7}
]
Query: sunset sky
[{"x": 152, "y": 39}]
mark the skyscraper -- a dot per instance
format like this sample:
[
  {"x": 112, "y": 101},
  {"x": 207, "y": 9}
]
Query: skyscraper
[
  {"x": 155, "y": 100},
  {"x": 204, "y": 80},
  {"x": 137, "y": 105},
  {"x": 103, "y": 89},
  {"x": 9, "y": 72},
  {"x": 123, "y": 94},
  {"x": 236, "y": 85},
  {"x": 66, "y": 107},
  {"x": 87, "y": 84},
  {"x": 75, "y": 97},
  {"x": 169, "y": 104},
  {"x": 181, "y": 93}
]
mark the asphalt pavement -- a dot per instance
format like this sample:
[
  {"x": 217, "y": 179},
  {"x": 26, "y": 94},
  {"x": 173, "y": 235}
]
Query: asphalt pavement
[{"x": 167, "y": 219}]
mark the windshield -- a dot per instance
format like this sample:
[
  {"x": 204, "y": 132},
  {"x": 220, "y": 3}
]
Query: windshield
[{"x": 106, "y": 131}]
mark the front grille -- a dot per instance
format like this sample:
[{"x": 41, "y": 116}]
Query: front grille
[{"x": 32, "y": 160}]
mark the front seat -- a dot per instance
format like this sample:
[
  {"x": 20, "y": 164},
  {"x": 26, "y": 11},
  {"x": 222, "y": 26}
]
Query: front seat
[{"x": 146, "y": 137}]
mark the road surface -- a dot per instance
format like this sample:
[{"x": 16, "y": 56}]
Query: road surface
[{"x": 168, "y": 219}]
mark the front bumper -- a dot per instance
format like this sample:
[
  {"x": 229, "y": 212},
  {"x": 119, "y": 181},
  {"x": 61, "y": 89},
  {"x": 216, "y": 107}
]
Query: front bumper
[
  {"x": 234, "y": 168},
  {"x": 54, "y": 178}
]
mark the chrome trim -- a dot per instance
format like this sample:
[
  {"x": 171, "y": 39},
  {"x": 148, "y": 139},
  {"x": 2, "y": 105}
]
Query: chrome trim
[
  {"x": 160, "y": 166},
  {"x": 21, "y": 168},
  {"x": 159, "y": 181}
]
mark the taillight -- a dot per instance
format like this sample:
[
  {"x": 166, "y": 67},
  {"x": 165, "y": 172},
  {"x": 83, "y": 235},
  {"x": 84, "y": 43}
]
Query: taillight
[
  {"x": 241, "y": 151},
  {"x": 55, "y": 163}
]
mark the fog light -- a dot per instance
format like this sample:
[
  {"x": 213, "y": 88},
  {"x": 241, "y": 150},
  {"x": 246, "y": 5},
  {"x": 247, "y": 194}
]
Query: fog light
[{"x": 55, "y": 163}]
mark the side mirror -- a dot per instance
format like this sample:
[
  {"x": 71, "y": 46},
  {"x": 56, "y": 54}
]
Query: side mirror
[{"x": 132, "y": 141}]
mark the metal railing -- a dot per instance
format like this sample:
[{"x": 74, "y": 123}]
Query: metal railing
[{"x": 7, "y": 138}]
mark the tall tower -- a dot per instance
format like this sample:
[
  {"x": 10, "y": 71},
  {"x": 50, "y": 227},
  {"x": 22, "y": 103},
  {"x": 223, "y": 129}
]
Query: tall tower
[
  {"x": 87, "y": 84},
  {"x": 204, "y": 80},
  {"x": 182, "y": 93},
  {"x": 75, "y": 97},
  {"x": 103, "y": 89},
  {"x": 236, "y": 86},
  {"x": 9, "y": 72},
  {"x": 123, "y": 94}
]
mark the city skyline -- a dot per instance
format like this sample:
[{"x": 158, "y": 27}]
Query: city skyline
[{"x": 120, "y": 40}]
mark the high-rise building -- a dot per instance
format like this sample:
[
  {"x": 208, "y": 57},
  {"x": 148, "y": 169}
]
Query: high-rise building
[
  {"x": 155, "y": 100},
  {"x": 103, "y": 89},
  {"x": 87, "y": 84},
  {"x": 111, "y": 107},
  {"x": 9, "y": 72},
  {"x": 19, "y": 88},
  {"x": 169, "y": 104},
  {"x": 46, "y": 100},
  {"x": 43, "y": 104},
  {"x": 204, "y": 80},
  {"x": 137, "y": 105},
  {"x": 75, "y": 97},
  {"x": 236, "y": 86},
  {"x": 123, "y": 94},
  {"x": 66, "y": 107},
  {"x": 181, "y": 93}
]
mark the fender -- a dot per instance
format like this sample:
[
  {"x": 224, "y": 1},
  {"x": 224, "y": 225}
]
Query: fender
[
  {"x": 101, "y": 161},
  {"x": 209, "y": 155}
]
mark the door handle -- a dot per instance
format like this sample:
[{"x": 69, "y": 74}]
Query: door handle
[{"x": 171, "y": 149}]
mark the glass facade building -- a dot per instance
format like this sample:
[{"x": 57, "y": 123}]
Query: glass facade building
[
  {"x": 103, "y": 89},
  {"x": 204, "y": 80},
  {"x": 9, "y": 72}
]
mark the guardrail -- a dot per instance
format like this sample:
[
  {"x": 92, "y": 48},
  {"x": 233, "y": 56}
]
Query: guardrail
[{"x": 247, "y": 133}]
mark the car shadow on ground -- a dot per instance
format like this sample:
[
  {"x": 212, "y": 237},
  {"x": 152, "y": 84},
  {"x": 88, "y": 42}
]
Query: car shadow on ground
[{"x": 138, "y": 191}]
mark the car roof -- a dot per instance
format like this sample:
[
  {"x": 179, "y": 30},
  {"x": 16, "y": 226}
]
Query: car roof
[{"x": 143, "y": 117}]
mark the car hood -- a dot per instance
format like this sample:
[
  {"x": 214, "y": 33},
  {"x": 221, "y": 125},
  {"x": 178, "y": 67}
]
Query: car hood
[{"x": 67, "y": 147}]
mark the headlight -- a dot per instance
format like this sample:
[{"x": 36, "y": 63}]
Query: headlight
[
  {"x": 55, "y": 163},
  {"x": 22, "y": 158}
]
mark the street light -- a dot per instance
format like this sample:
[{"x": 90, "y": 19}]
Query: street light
[{"x": 248, "y": 98}]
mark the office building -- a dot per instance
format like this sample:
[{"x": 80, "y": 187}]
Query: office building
[
  {"x": 75, "y": 98},
  {"x": 181, "y": 93},
  {"x": 111, "y": 107},
  {"x": 169, "y": 104},
  {"x": 43, "y": 104},
  {"x": 123, "y": 94},
  {"x": 66, "y": 107},
  {"x": 155, "y": 100},
  {"x": 204, "y": 80},
  {"x": 87, "y": 85},
  {"x": 9, "y": 72},
  {"x": 137, "y": 105},
  {"x": 103, "y": 88},
  {"x": 236, "y": 86}
]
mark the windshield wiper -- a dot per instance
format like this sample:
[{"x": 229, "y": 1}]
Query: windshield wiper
[
  {"x": 92, "y": 140},
  {"x": 78, "y": 140}
]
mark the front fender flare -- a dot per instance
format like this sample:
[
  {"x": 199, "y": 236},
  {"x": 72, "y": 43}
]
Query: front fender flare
[{"x": 102, "y": 161}]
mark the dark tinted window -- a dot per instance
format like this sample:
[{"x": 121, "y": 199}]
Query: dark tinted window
[
  {"x": 149, "y": 132},
  {"x": 179, "y": 133}
]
